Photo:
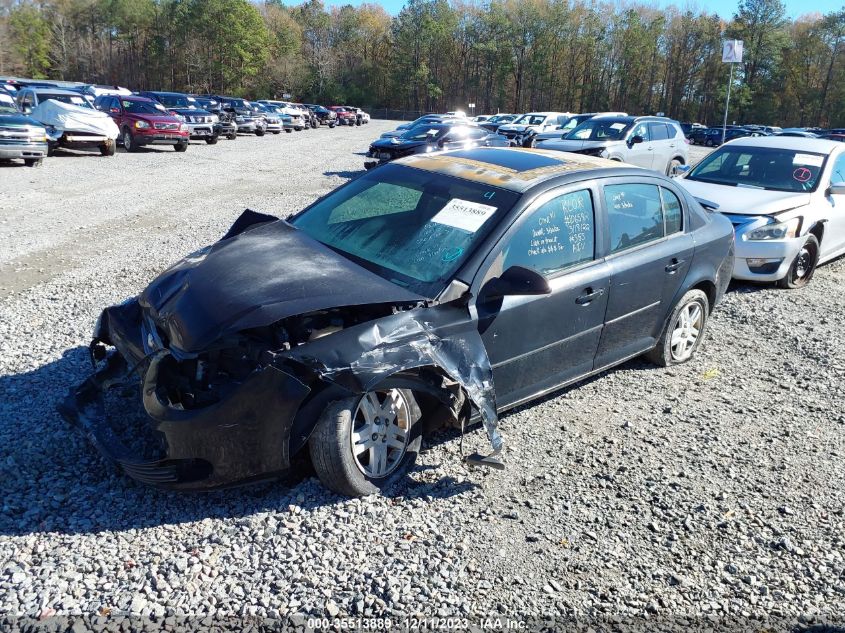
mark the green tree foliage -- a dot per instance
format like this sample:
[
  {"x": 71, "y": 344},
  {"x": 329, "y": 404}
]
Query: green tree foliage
[
  {"x": 30, "y": 32},
  {"x": 435, "y": 55}
]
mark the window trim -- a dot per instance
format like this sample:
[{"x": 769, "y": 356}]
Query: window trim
[
  {"x": 639, "y": 180},
  {"x": 520, "y": 217}
]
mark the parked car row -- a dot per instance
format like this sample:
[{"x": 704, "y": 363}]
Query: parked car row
[
  {"x": 39, "y": 117},
  {"x": 646, "y": 141}
]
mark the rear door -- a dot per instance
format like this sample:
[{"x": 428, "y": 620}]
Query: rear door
[
  {"x": 663, "y": 146},
  {"x": 536, "y": 343},
  {"x": 833, "y": 241},
  {"x": 649, "y": 254},
  {"x": 640, "y": 154}
]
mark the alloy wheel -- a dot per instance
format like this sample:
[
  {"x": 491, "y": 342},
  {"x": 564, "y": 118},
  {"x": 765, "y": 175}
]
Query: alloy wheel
[
  {"x": 380, "y": 432},
  {"x": 686, "y": 331}
]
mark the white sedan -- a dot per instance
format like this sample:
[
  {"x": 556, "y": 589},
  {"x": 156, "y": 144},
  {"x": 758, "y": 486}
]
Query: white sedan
[{"x": 786, "y": 199}]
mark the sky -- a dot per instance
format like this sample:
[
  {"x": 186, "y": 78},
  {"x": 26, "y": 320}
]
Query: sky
[{"x": 725, "y": 8}]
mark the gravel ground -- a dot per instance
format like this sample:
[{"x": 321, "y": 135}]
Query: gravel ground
[{"x": 710, "y": 490}]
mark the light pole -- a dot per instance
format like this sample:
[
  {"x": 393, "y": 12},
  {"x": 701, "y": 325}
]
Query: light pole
[{"x": 731, "y": 54}]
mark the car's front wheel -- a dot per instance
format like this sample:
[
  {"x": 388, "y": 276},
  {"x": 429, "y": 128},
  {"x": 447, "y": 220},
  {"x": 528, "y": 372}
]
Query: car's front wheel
[
  {"x": 684, "y": 330},
  {"x": 211, "y": 140},
  {"x": 803, "y": 266},
  {"x": 361, "y": 445},
  {"x": 181, "y": 147},
  {"x": 128, "y": 141},
  {"x": 33, "y": 162},
  {"x": 107, "y": 148}
]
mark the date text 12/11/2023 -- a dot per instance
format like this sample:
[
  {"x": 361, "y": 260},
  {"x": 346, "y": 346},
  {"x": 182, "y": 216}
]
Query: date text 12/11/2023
[{"x": 433, "y": 623}]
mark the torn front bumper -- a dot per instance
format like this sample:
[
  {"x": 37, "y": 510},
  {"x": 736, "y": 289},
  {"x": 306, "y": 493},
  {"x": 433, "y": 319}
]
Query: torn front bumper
[{"x": 243, "y": 436}]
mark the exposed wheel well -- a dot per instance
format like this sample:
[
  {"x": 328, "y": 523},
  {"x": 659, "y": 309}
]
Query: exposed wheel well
[
  {"x": 708, "y": 288},
  {"x": 818, "y": 230},
  {"x": 680, "y": 159}
]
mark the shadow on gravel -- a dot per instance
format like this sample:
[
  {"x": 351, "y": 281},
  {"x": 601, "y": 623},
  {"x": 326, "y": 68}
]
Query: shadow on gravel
[
  {"x": 345, "y": 174},
  {"x": 53, "y": 480}
]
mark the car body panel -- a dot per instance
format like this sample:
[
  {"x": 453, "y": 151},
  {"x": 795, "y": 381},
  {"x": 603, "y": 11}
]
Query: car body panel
[{"x": 21, "y": 136}]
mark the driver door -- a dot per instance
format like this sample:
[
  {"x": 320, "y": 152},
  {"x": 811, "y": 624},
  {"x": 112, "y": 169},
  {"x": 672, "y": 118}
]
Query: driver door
[
  {"x": 640, "y": 154},
  {"x": 536, "y": 343}
]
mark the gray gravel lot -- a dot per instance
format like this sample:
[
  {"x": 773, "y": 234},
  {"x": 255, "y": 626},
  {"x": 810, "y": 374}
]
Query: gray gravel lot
[{"x": 710, "y": 489}]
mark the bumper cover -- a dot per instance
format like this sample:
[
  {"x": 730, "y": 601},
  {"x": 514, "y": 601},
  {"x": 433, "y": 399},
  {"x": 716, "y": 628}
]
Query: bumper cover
[
  {"x": 242, "y": 437},
  {"x": 23, "y": 150}
]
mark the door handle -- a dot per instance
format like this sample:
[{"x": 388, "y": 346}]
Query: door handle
[
  {"x": 674, "y": 266},
  {"x": 588, "y": 296}
]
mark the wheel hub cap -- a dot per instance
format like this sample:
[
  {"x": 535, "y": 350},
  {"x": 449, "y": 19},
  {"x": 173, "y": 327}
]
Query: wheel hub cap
[
  {"x": 686, "y": 331},
  {"x": 379, "y": 435}
]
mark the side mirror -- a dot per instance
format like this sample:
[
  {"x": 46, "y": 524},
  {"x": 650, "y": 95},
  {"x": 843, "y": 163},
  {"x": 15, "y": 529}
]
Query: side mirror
[
  {"x": 836, "y": 189},
  {"x": 636, "y": 139},
  {"x": 517, "y": 280}
]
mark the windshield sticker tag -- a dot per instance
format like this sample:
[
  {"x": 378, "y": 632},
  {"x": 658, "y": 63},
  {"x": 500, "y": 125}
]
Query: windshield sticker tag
[
  {"x": 464, "y": 214},
  {"x": 617, "y": 126},
  {"x": 808, "y": 159},
  {"x": 802, "y": 174}
]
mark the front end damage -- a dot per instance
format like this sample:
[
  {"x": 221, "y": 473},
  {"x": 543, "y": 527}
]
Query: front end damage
[{"x": 239, "y": 408}]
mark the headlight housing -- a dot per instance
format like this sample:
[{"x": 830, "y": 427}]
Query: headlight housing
[
  {"x": 142, "y": 125},
  {"x": 775, "y": 230},
  {"x": 214, "y": 118}
]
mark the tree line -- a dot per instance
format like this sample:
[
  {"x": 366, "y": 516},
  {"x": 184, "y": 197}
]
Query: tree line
[{"x": 436, "y": 55}]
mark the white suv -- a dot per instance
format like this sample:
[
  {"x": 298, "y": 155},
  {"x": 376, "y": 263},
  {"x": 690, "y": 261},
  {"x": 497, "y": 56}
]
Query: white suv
[{"x": 522, "y": 130}]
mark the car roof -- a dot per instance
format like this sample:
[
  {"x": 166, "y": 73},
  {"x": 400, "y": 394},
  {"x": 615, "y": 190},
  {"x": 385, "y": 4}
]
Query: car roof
[
  {"x": 126, "y": 97},
  {"x": 516, "y": 169},
  {"x": 165, "y": 92},
  {"x": 820, "y": 145},
  {"x": 54, "y": 91}
]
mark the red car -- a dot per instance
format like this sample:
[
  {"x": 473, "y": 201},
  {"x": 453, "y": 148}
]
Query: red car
[
  {"x": 344, "y": 116},
  {"x": 143, "y": 121}
]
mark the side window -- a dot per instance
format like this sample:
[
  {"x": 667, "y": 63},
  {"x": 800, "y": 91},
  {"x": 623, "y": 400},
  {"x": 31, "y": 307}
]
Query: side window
[
  {"x": 671, "y": 211},
  {"x": 641, "y": 130},
  {"x": 635, "y": 215},
  {"x": 838, "y": 174},
  {"x": 674, "y": 131},
  {"x": 558, "y": 234},
  {"x": 658, "y": 131}
]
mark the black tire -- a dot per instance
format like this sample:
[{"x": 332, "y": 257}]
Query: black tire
[
  {"x": 181, "y": 147},
  {"x": 128, "y": 141},
  {"x": 277, "y": 131},
  {"x": 331, "y": 125},
  {"x": 33, "y": 162},
  {"x": 331, "y": 448},
  {"x": 259, "y": 131},
  {"x": 211, "y": 140},
  {"x": 289, "y": 131},
  {"x": 107, "y": 148},
  {"x": 51, "y": 150},
  {"x": 665, "y": 353},
  {"x": 673, "y": 165},
  {"x": 528, "y": 142},
  {"x": 232, "y": 136},
  {"x": 803, "y": 266}
]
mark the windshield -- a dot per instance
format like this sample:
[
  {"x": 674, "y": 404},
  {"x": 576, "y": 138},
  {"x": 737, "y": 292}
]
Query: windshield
[
  {"x": 7, "y": 105},
  {"x": 143, "y": 107},
  {"x": 176, "y": 101},
  {"x": 593, "y": 130},
  {"x": 411, "y": 227},
  {"x": 77, "y": 100},
  {"x": 500, "y": 118},
  {"x": 530, "y": 119},
  {"x": 423, "y": 132},
  {"x": 761, "y": 167}
]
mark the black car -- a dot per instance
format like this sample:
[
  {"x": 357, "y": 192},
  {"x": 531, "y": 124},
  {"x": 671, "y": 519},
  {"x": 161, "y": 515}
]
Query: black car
[
  {"x": 433, "y": 137},
  {"x": 493, "y": 123},
  {"x": 203, "y": 125},
  {"x": 324, "y": 115},
  {"x": 427, "y": 289},
  {"x": 226, "y": 119},
  {"x": 243, "y": 114}
]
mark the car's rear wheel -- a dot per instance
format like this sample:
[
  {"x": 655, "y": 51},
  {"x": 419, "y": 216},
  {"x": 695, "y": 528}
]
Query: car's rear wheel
[
  {"x": 803, "y": 266},
  {"x": 683, "y": 332},
  {"x": 362, "y": 445},
  {"x": 128, "y": 141}
]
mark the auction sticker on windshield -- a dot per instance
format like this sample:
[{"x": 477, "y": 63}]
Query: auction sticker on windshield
[
  {"x": 464, "y": 214},
  {"x": 814, "y": 160}
]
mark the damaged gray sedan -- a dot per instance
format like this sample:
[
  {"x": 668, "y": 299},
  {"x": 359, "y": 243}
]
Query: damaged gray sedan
[{"x": 434, "y": 287}]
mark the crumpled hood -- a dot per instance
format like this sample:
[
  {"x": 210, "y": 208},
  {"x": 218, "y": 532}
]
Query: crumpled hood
[
  {"x": 395, "y": 143},
  {"x": 745, "y": 200},
  {"x": 509, "y": 127},
  {"x": 266, "y": 273}
]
